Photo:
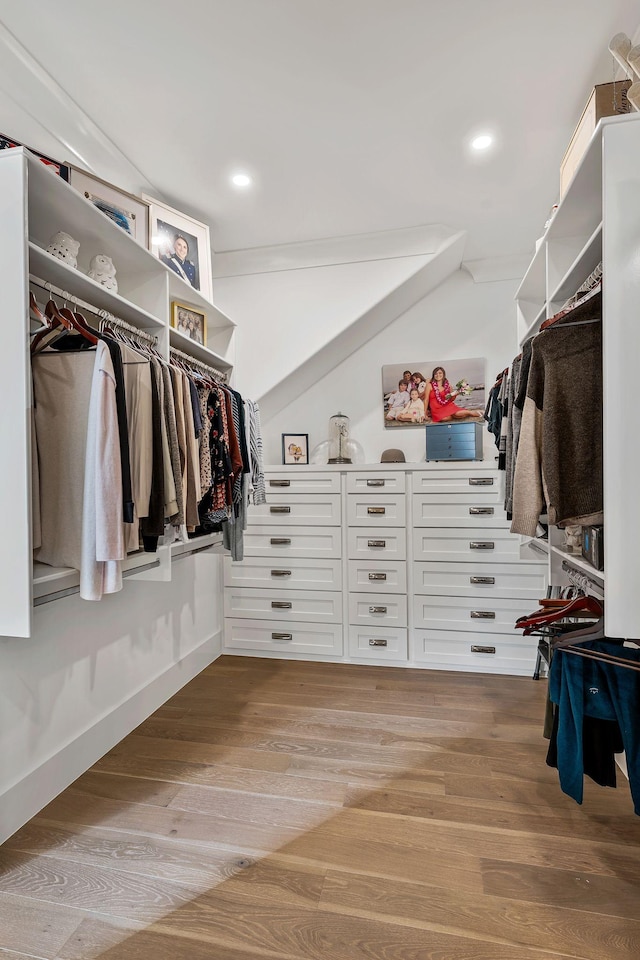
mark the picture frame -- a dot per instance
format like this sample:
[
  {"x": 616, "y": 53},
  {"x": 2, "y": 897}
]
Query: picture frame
[
  {"x": 409, "y": 400},
  {"x": 192, "y": 260},
  {"x": 295, "y": 448},
  {"x": 189, "y": 321},
  {"x": 61, "y": 169},
  {"x": 129, "y": 212}
]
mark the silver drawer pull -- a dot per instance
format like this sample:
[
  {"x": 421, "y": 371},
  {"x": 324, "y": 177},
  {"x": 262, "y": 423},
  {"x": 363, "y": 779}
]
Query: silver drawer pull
[
  {"x": 377, "y": 642},
  {"x": 375, "y": 483},
  {"x": 377, "y": 609},
  {"x": 377, "y": 576},
  {"x": 480, "y": 481},
  {"x": 281, "y": 573},
  {"x": 279, "y": 483},
  {"x": 376, "y": 510},
  {"x": 478, "y": 649},
  {"x": 280, "y": 541},
  {"x": 491, "y": 580},
  {"x": 279, "y": 509},
  {"x": 281, "y": 605},
  {"x": 481, "y": 511},
  {"x": 282, "y": 636},
  {"x": 482, "y": 545},
  {"x": 482, "y": 615},
  {"x": 376, "y": 543}
]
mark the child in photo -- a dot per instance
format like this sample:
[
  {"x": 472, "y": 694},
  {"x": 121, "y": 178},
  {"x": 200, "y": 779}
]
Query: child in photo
[
  {"x": 413, "y": 412},
  {"x": 398, "y": 400}
]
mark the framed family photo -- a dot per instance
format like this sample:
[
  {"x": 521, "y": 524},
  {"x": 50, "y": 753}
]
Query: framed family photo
[
  {"x": 433, "y": 391},
  {"x": 189, "y": 321},
  {"x": 129, "y": 212},
  {"x": 295, "y": 448},
  {"x": 182, "y": 244}
]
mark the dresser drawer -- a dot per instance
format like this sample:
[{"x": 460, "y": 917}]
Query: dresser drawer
[
  {"x": 379, "y": 643},
  {"x": 373, "y": 483},
  {"x": 512, "y": 581},
  {"x": 457, "y": 510},
  {"x": 478, "y": 482},
  {"x": 284, "y": 574},
  {"x": 479, "y": 615},
  {"x": 292, "y": 481},
  {"x": 449, "y": 650},
  {"x": 293, "y": 542},
  {"x": 377, "y": 576},
  {"x": 465, "y": 543},
  {"x": 364, "y": 510},
  {"x": 314, "y": 509},
  {"x": 281, "y": 637},
  {"x": 321, "y": 606},
  {"x": 369, "y": 543},
  {"x": 386, "y": 610}
]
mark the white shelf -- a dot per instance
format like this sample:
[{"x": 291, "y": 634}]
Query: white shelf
[
  {"x": 579, "y": 563},
  {"x": 206, "y": 542},
  {"x": 582, "y": 266},
  {"x": 534, "y": 282},
  {"x": 76, "y": 283},
  {"x": 183, "y": 292},
  {"x": 48, "y": 580},
  {"x": 535, "y": 326},
  {"x": 182, "y": 342}
]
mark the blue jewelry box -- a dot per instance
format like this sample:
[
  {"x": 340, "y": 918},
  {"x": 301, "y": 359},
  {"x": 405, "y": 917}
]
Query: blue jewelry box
[{"x": 454, "y": 441}]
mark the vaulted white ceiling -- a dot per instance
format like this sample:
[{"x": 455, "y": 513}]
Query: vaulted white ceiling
[{"x": 353, "y": 116}]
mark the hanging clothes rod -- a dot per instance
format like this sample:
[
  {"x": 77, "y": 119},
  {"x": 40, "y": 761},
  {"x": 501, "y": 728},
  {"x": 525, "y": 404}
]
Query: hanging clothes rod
[
  {"x": 583, "y": 581},
  {"x": 108, "y": 318},
  {"x": 198, "y": 364}
]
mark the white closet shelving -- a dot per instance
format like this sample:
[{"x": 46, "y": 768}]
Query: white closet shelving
[
  {"x": 599, "y": 221},
  {"x": 35, "y": 204}
]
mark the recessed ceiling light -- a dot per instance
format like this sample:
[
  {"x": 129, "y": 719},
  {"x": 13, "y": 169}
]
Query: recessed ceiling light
[
  {"x": 482, "y": 142},
  {"x": 241, "y": 180}
]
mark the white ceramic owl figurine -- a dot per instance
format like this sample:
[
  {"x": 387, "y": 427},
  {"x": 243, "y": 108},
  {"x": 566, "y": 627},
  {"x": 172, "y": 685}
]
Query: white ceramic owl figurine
[
  {"x": 103, "y": 271},
  {"x": 64, "y": 248}
]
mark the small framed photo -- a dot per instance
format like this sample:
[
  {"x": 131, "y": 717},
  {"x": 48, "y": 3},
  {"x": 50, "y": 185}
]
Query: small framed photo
[
  {"x": 128, "y": 212},
  {"x": 182, "y": 244},
  {"x": 189, "y": 321},
  {"x": 295, "y": 448}
]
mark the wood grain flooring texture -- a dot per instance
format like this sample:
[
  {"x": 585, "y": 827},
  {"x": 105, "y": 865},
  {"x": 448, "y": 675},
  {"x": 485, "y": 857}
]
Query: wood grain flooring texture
[{"x": 304, "y": 811}]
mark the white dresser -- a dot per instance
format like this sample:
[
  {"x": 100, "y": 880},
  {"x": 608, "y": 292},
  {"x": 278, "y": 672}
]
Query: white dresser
[{"x": 404, "y": 564}]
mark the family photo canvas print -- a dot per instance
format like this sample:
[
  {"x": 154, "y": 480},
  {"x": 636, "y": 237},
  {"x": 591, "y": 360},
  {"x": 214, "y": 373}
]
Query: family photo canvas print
[{"x": 433, "y": 391}]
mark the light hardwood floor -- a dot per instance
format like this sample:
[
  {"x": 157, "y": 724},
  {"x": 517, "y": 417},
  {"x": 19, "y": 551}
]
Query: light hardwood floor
[{"x": 328, "y": 812}]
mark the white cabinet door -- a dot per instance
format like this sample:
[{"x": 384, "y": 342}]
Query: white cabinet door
[
  {"x": 321, "y": 606},
  {"x": 281, "y": 573},
  {"x": 264, "y": 541},
  {"x": 369, "y": 543},
  {"x": 480, "y": 615},
  {"x": 378, "y": 643},
  {"x": 374, "y": 482},
  {"x": 449, "y": 650},
  {"x": 280, "y": 637},
  {"x": 465, "y": 543},
  {"x": 381, "y": 511},
  {"x": 377, "y": 576},
  {"x": 302, "y": 509},
  {"x": 290, "y": 481},
  {"x": 481, "y": 483},
  {"x": 457, "y": 510},
  {"x": 387, "y": 610},
  {"x": 517, "y": 581}
]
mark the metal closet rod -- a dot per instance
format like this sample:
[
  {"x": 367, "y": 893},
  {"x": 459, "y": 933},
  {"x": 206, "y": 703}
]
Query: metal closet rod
[
  {"x": 582, "y": 580},
  {"x": 199, "y": 364}
]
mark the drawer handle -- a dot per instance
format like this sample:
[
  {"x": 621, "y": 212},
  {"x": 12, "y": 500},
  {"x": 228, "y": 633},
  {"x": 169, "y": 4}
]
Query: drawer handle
[
  {"x": 279, "y": 483},
  {"x": 281, "y": 605},
  {"x": 482, "y": 545},
  {"x": 377, "y": 576},
  {"x": 377, "y": 642},
  {"x": 480, "y": 481},
  {"x": 376, "y": 543},
  {"x": 491, "y": 580},
  {"x": 282, "y": 636},
  {"x": 377, "y": 609},
  {"x": 280, "y": 541},
  {"x": 375, "y": 483},
  {"x": 376, "y": 510},
  {"x": 482, "y": 615},
  {"x": 481, "y": 511},
  {"x": 478, "y": 649},
  {"x": 281, "y": 573},
  {"x": 279, "y": 509}
]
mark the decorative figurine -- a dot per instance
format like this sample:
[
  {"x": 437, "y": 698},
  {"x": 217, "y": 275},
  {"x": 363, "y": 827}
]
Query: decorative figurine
[
  {"x": 64, "y": 248},
  {"x": 103, "y": 271}
]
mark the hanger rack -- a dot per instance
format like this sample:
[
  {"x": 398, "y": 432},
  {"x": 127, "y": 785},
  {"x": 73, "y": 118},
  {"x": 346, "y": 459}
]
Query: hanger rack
[
  {"x": 592, "y": 281},
  {"x": 108, "y": 318},
  {"x": 198, "y": 364},
  {"x": 583, "y": 581}
]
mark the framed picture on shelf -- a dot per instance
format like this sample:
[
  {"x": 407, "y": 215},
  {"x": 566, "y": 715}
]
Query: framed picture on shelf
[
  {"x": 295, "y": 448},
  {"x": 182, "y": 244},
  {"x": 62, "y": 169},
  {"x": 129, "y": 212},
  {"x": 188, "y": 320}
]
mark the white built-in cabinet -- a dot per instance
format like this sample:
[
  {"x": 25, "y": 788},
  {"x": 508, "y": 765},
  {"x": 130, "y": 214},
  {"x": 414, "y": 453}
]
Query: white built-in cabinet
[
  {"x": 404, "y": 564},
  {"x": 599, "y": 220},
  {"x": 34, "y": 205}
]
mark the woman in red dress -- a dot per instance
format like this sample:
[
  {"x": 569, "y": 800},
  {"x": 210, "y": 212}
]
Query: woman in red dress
[{"x": 439, "y": 400}]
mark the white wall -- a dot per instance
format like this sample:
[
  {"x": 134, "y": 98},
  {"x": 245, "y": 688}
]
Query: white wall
[
  {"x": 459, "y": 319},
  {"x": 92, "y": 672}
]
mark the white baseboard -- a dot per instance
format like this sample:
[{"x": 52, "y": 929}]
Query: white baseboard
[{"x": 25, "y": 799}]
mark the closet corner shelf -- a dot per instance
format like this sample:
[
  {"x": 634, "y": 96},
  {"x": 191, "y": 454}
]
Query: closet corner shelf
[
  {"x": 182, "y": 342},
  {"x": 535, "y": 326},
  {"x": 79, "y": 284},
  {"x": 579, "y": 563},
  {"x": 532, "y": 286}
]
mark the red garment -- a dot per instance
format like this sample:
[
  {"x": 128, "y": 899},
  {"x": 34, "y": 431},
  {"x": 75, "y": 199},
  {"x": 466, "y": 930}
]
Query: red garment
[{"x": 439, "y": 408}]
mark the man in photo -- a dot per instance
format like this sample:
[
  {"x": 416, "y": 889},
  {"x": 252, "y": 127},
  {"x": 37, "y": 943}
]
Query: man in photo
[
  {"x": 398, "y": 400},
  {"x": 178, "y": 261}
]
